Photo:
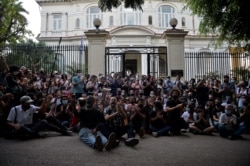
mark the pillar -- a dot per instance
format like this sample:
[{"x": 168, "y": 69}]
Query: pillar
[
  {"x": 96, "y": 51},
  {"x": 175, "y": 51}
]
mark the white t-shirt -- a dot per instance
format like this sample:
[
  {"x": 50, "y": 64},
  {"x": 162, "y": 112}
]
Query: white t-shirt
[{"x": 22, "y": 117}]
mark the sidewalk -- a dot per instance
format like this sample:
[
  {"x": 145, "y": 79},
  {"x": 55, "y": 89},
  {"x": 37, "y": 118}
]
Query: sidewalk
[{"x": 187, "y": 149}]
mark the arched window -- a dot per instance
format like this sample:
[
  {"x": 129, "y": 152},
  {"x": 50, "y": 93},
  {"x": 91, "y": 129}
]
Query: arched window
[
  {"x": 111, "y": 20},
  {"x": 150, "y": 21},
  {"x": 92, "y": 13},
  {"x": 165, "y": 13},
  {"x": 129, "y": 16},
  {"x": 77, "y": 23},
  {"x": 183, "y": 21}
]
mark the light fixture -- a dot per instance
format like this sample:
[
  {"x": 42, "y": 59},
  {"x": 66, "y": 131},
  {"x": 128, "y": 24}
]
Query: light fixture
[
  {"x": 97, "y": 23},
  {"x": 173, "y": 22}
]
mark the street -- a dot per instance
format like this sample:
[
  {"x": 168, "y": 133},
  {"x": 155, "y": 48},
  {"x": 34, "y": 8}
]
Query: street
[{"x": 187, "y": 149}]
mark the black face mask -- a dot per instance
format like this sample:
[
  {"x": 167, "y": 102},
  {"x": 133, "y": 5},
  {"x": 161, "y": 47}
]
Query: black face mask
[
  {"x": 217, "y": 104},
  {"x": 26, "y": 107},
  {"x": 174, "y": 97}
]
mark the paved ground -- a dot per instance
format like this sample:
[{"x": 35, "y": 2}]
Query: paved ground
[{"x": 187, "y": 149}]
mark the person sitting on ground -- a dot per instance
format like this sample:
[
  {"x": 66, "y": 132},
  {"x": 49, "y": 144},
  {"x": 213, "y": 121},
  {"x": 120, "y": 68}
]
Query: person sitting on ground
[
  {"x": 228, "y": 124},
  {"x": 20, "y": 119},
  {"x": 158, "y": 121},
  {"x": 190, "y": 116},
  {"x": 89, "y": 133},
  {"x": 115, "y": 118},
  {"x": 203, "y": 123},
  {"x": 174, "y": 109},
  {"x": 138, "y": 117},
  {"x": 217, "y": 110}
]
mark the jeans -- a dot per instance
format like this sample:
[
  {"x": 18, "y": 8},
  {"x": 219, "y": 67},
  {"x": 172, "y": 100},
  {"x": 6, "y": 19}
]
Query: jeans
[
  {"x": 119, "y": 131},
  {"x": 160, "y": 131},
  {"x": 224, "y": 131},
  {"x": 88, "y": 137}
]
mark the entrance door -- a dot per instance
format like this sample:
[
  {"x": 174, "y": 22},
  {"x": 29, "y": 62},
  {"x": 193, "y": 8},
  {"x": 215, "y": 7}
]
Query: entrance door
[{"x": 131, "y": 66}]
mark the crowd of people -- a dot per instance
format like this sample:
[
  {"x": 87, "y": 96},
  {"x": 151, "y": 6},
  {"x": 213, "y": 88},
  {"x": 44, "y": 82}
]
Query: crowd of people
[{"x": 102, "y": 109}]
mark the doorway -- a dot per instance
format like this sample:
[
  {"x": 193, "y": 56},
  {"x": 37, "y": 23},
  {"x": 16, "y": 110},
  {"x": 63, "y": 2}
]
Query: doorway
[{"x": 131, "y": 66}]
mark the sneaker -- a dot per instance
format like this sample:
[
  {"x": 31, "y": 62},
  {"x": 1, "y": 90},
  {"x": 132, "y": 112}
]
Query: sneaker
[
  {"x": 111, "y": 142},
  {"x": 155, "y": 134},
  {"x": 98, "y": 143},
  {"x": 67, "y": 133},
  {"x": 43, "y": 135},
  {"x": 131, "y": 142},
  {"x": 142, "y": 132},
  {"x": 117, "y": 142}
]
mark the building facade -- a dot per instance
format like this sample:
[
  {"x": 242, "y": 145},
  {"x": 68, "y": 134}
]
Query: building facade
[{"x": 131, "y": 32}]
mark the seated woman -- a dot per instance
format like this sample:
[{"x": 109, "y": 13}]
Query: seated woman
[{"x": 203, "y": 124}]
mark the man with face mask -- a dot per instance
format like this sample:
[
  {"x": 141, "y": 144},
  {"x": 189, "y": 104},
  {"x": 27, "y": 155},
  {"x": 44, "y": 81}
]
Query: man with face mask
[
  {"x": 78, "y": 84},
  {"x": 138, "y": 117},
  {"x": 174, "y": 109},
  {"x": 63, "y": 113},
  {"x": 20, "y": 119},
  {"x": 114, "y": 116},
  {"x": 228, "y": 124},
  {"x": 226, "y": 90}
]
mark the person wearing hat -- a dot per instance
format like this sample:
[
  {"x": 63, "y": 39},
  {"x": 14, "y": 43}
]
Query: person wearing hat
[
  {"x": 90, "y": 118},
  {"x": 20, "y": 118}
]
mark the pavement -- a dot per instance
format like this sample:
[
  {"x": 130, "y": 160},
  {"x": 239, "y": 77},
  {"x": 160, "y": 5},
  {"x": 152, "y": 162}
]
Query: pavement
[{"x": 187, "y": 149}]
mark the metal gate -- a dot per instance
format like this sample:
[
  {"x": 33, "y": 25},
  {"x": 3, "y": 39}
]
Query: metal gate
[{"x": 136, "y": 60}]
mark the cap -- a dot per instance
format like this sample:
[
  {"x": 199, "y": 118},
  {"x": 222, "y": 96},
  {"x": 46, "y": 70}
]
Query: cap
[
  {"x": 26, "y": 99},
  {"x": 90, "y": 101}
]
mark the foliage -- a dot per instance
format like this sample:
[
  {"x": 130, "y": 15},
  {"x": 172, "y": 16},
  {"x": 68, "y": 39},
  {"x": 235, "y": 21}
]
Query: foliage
[
  {"x": 228, "y": 19},
  {"x": 105, "y": 5},
  {"x": 30, "y": 52},
  {"x": 71, "y": 69},
  {"x": 13, "y": 22},
  {"x": 241, "y": 73}
]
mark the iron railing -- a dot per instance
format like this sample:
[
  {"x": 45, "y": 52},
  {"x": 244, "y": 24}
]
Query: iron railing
[
  {"x": 68, "y": 59},
  {"x": 216, "y": 64}
]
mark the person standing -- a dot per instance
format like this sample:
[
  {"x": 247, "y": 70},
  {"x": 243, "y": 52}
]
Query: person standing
[{"x": 78, "y": 84}]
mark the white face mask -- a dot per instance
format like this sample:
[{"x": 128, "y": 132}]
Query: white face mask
[
  {"x": 64, "y": 102},
  {"x": 79, "y": 74}
]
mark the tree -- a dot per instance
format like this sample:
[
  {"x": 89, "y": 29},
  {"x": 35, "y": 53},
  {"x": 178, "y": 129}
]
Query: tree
[
  {"x": 30, "y": 53},
  {"x": 228, "y": 19},
  {"x": 13, "y": 22}
]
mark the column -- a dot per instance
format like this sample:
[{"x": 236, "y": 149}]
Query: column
[
  {"x": 96, "y": 50},
  {"x": 175, "y": 51}
]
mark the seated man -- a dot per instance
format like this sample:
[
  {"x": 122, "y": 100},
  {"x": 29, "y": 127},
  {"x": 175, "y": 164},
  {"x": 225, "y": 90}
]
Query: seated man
[
  {"x": 158, "y": 121},
  {"x": 174, "y": 109},
  {"x": 90, "y": 118},
  {"x": 228, "y": 124},
  {"x": 21, "y": 119},
  {"x": 115, "y": 116},
  {"x": 203, "y": 124},
  {"x": 138, "y": 117}
]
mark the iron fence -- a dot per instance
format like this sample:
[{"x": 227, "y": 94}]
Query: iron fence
[
  {"x": 217, "y": 64},
  {"x": 67, "y": 58}
]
